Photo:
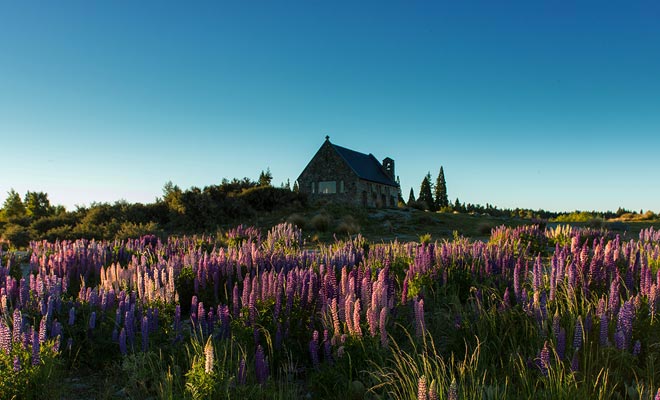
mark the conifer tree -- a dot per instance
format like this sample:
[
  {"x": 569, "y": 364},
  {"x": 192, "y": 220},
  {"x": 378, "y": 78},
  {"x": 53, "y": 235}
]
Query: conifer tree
[
  {"x": 425, "y": 193},
  {"x": 441, "y": 199},
  {"x": 411, "y": 197},
  {"x": 13, "y": 206}
]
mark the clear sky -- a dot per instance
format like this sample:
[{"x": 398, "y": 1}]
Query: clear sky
[{"x": 535, "y": 104}]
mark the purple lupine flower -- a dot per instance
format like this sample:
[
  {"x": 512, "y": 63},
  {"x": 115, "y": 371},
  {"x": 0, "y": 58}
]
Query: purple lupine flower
[
  {"x": 314, "y": 349},
  {"x": 657, "y": 395},
  {"x": 506, "y": 300},
  {"x": 36, "y": 348},
  {"x": 382, "y": 326},
  {"x": 5, "y": 337},
  {"x": 17, "y": 321},
  {"x": 575, "y": 364},
  {"x": 327, "y": 347},
  {"x": 419, "y": 317},
  {"x": 561, "y": 343},
  {"x": 17, "y": 363},
  {"x": 421, "y": 388},
  {"x": 145, "y": 333},
  {"x": 357, "y": 329},
  {"x": 624, "y": 324},
  {"x": 556, "y": 320},
  {"x": 604, "y": 330},
  {"x": 122, "y": 342},
  {"x": 404, "y": 290},
  {"x": 177, "y": 319},
  {"x": 241, "y": 375},
  {"x": 452, "y": 394},
  {"x": 653, "y": 300},
  {"x": 261, "y": 365},
  {"x": 235, "y": 298},
  {"x": 92, "y": 320},
  {"x": 42, "y": 330},
  {"x": 577, "y": 334},
  {"x": 208, "y": 357},
  {"x": 637, "y": 348},
  {"x": 544, "y": 359}
]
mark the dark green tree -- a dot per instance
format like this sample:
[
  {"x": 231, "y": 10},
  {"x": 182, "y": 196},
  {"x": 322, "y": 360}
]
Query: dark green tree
[
  {"x": 411, "y": 197},
  {"x": 265, "y": 178},
  {"x": 296, "y": 189},
  {"x": 425, "y": 193},
  {"x": 13, "y": 206},
  {"x": 37, "y": 205},
  {"x": 441, "y": 199}
]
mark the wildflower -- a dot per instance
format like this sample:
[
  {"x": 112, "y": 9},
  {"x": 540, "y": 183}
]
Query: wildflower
[
  {"x": 261, "y": 366},
  {"x": 578, "y": 333},
  {"x": 208, "y": 357},
  {"x": 383, "y": 328},
  {"x": 637, "y": 348},
  {"x": 144, "y": 330},
  {"x": 241, "y": 375},
  {"x": 604, "y": 328},
  {"x": 17, "y": 326},
  {"x": 561, "y": 343},
  {"x": 36, "y": 348},
  {"x": 5, "y": 337},
  {"x": 453, "y": 390},
  {"x": 314, "y": 348},
  {"x": 544, "y": 359},
  {"x": 122, "y": 342},
  {"x": 575, "y": 363},
  {"x": 92, "y": 320},
  {"x": 421, "y": 389},
  {"x": 72, "y": 316}
]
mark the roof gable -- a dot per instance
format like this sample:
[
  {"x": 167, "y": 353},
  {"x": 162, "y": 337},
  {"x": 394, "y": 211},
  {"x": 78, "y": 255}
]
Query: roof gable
[{"x": 366, "y": 166}]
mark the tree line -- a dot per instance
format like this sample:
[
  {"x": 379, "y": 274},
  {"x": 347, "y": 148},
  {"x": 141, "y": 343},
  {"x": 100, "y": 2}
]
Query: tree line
[{"x": 193, "y": 210}]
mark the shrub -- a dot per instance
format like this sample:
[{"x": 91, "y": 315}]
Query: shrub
[
  {"x": 130, "y": 230},
  {"x": 18, "y": 236},
  {"x": 321, "y": 222},
  {"x": 348, "y": 225},
  {"x": 297, "y": 220},
  {"x": 484, "y": 228}
]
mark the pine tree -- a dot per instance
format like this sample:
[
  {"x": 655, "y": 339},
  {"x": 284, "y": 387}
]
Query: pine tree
[
  {"x": 296, "y": 189},
  {"x": 425, "y": 194},
  {"x": 265, "y": 178},
  {"x": 411, "y": 197},
  {"x": 13, "y": 206},
  {"x": 441, "y": 199}
]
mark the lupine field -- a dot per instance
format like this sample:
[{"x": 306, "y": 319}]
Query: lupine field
[{"x": 561, "y": 313}]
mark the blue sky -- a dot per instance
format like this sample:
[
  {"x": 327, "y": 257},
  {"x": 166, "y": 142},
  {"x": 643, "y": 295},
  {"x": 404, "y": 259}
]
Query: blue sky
[{"x": 552, "y": 105}]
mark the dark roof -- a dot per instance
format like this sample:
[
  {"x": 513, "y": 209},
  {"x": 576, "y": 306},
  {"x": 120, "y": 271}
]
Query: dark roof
[{"x": 366, "y": 166}]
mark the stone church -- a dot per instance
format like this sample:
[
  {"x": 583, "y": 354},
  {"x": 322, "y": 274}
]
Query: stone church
[{"x": 342, "y": 175}]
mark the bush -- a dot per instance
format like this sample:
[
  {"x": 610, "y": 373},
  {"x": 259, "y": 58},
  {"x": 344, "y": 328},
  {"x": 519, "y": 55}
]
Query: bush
[
  {"x": 348, "y": 225},
  {"x": 321, "y": 222},
  {"x": 297, "y": 220},
  {"x": 484, "y": 228},
  {"x": 17, "y": 235},
  {"x": 131, "y": 230}
]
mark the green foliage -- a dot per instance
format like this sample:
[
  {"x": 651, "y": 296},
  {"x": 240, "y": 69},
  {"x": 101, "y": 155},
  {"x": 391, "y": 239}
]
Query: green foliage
[
  {"x": 130, "y": 230},
  {"x": 30, "y": 381},
  {"x": 321, "y": 222},
  {"x": 425, "y": 193},
  {"x": 18, "y": 236},
  {"x": 13, "y": 207},
  {"x": 37, "y": 205},
  {"x": 441, "y": 199}
]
